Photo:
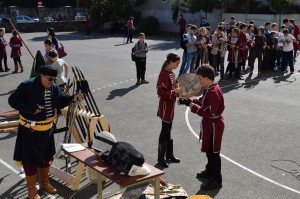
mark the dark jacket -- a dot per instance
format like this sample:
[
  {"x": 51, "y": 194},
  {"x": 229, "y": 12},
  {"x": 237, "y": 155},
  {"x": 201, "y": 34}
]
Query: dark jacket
[{"x": 30, "y": 94}]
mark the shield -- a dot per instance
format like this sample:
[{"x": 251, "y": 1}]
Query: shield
[
  {"x": 189, "y": 84},
  {"x": 38, "y": 62}
]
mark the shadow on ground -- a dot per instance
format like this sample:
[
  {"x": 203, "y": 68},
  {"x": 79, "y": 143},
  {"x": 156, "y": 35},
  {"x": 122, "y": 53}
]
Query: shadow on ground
[{"x": 120, "y": 92}]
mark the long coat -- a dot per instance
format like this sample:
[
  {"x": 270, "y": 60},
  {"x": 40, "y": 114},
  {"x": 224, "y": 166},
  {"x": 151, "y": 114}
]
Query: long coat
[
  {"x": 235, "y": 54},
  {"x": 32, "y": 146},
  {"x": 210, "y": 107},
  {"x": 166, "y": 92},
  {"x": 15, "y": 44}
]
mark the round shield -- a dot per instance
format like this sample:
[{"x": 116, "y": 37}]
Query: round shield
[{"x": 189, "y": 84}]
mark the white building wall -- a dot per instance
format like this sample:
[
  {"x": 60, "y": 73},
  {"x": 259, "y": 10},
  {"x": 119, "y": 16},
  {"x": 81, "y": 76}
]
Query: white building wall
[{"x": 260, "y": 19}]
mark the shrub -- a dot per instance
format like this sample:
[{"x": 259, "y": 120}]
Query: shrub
[{"x": 149, "y": 25}]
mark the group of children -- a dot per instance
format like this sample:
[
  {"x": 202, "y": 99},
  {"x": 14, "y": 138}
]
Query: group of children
[
  {"x": 50, "y": 57},
  {"x": 15, "y": 43},
  {"x": 275, "y": 50}
]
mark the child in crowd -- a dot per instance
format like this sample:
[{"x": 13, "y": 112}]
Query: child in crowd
[
  {"x": 203, "y": 46},
  {"x": 219, "y": 50},
  {"x": 246, "y": 44},
  {"x": 287, "y": 50},
  {"x": 280, "y": 45},
  {"x": 235, "y": 52},
  {"x": 48, "y": 47},
  {"x": 61, "y": 67},
  {"x": 274, "y": 50},
  {"x": 259, "y": 44},
  {"x": 3, "y": 54},
  {"x": 15, "y": 43}
]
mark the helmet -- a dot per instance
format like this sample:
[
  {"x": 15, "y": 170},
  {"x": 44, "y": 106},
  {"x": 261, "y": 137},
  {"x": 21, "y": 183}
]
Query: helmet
[{"x": 100, "y": 145}]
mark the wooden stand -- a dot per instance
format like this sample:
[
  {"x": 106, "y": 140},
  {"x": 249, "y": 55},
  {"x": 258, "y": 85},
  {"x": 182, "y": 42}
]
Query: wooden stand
[
  {"x": 88, "y": 158},
  {"x": 92, "y": 119}
]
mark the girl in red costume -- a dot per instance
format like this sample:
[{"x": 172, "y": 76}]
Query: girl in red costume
[{"x": 167, "y": 90}]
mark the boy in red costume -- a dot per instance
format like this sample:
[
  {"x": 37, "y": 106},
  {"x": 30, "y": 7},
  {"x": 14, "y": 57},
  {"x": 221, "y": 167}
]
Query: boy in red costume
[{"x": 210, "y": 107}]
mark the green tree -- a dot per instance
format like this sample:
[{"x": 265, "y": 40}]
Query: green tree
[
  {"x": 110, "y": 7},
  {"x": 279, "y": 5},
  {"x": 194, "y": 6}
]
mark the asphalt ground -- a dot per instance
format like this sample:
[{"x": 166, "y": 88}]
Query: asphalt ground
[{"x": 261, "y": 117}]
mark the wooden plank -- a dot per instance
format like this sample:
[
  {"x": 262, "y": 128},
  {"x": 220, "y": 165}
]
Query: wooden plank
[
  {"x": 76, "y": 135},
  {"x": 9, "y": 130},
  {"x": 156, "y": 188},
  {"x": 99, "y": 186},
  {"x": 104, "y": 123},
  {"x": 9, "y": 124},
  {"x": 76, "y": 181},
  {"x": 64, "y": 176}
]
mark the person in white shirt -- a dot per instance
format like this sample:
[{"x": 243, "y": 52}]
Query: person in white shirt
[
  {"x": 287, "y": 50},
  {"x": 280, "y": 44},
  {"x": 62, "y": 69}
]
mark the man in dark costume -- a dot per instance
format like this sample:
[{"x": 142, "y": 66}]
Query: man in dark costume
[{"x": 37, "y": 100}]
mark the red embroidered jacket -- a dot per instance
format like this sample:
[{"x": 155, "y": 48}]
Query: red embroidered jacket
[
  {"x": 166, "y": 86},
  {"x": 210, "y": 107}
]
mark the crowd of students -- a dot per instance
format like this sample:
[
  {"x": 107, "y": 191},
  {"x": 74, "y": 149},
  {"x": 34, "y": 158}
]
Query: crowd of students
[{"x": 274, "y": 49}]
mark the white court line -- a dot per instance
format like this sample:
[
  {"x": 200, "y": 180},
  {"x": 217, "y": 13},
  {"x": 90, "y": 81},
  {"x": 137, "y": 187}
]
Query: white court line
[
  {"x": 234, "y": 162},
  {"x": 120, "y": 83},
  {"x": 22, "y": 175},
  {"x": 10, "y": 167}
]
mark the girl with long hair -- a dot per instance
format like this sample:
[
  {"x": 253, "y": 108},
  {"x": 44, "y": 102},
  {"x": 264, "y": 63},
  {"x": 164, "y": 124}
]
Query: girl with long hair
[{"x": 167, "y": 91}]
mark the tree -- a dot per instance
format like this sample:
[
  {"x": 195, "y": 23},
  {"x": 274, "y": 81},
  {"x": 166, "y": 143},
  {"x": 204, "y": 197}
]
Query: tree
[
  {"x": 279, "y": 5},
  {"x": 109, "y": 8},
  {"x": 195, "y": 6}
]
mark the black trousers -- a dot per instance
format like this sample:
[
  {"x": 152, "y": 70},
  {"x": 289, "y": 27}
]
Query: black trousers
[
  {"x": 267, "y": 59},
  {"x": 231, "y": 68},
  {"x": 129, "y": 37},
  {"x": 255, "y": 54},
  {"x": 213, "y": 166},
  {"x": 140, "y": 64},
  {"x": 165, "y": 133},
  {"x": 287, "y": 57}
]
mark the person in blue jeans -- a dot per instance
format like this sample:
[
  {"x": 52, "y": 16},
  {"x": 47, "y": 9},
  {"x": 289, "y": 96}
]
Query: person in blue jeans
[
  {"x": 191, "y": 43},
  {"x": 182, "y": 45}
]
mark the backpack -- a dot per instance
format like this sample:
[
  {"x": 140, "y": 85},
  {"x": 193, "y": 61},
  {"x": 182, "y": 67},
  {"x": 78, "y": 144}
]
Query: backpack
[{"x": 133, "y": 58}]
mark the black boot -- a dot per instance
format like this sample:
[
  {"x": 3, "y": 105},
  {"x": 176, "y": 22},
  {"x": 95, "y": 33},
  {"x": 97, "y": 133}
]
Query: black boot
[
  {"x": 169, "y": 153},
  {"x": 161, "y": 155}
]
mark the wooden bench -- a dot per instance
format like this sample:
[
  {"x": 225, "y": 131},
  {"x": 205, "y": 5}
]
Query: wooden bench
[{"x": 89, "y": 158}]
